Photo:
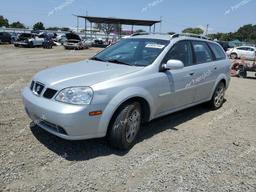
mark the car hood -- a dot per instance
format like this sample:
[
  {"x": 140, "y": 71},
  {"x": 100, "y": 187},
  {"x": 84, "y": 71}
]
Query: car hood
[
  {"x": 84, "y": 73},
  {"x": 73, "y": 36}
]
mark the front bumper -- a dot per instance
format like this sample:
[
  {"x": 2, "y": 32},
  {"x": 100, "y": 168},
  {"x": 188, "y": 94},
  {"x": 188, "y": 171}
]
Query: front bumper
[
  {"x": 69, "y": 122},
  {"x": 72, "y": 46}
]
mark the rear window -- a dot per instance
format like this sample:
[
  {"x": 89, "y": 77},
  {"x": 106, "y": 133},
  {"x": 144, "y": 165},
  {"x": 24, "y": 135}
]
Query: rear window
[
  {"x": 26, "y": 35},
  {"x": 217, "y": 51}
]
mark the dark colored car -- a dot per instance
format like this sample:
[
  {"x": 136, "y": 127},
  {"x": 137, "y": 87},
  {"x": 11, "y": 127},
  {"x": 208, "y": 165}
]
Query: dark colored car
[
  {"x": 5, "y": 37},
  {"x": 224, "y": 45}
]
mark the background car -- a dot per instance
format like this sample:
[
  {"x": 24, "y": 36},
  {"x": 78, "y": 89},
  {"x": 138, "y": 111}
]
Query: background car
[
  {"x": 29, "y": 40},
  {"x": 5, "y": 37},
  {"x": 61, "y": 38},
  {"x": 245, "y": 52},
  {"x": 74, "y": 41},
  {"x": 224, "y": 45}
]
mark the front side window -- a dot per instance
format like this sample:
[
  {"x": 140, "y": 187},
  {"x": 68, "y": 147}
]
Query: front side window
[
  {"x": 137, "y": 52},
  {"x": 218, "y": 52},
  {"x": 202, "y": 52},
  {"x": 180, "y": 51}
]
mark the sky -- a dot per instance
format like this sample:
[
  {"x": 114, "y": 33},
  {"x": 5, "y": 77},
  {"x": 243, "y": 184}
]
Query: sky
[{"x": 221, "y": 15}]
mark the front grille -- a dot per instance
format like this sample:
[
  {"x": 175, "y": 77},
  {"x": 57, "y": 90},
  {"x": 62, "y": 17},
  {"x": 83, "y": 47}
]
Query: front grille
[
  {"x": 32, "y": 85},
  {"x": 38, "y": 88},
  {"x": 49, "y": 93}
]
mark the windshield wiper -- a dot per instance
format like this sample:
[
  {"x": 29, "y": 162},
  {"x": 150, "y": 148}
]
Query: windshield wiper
[
  {"x": 117, "y": 61},
  {"x": 96, "y": 59}
]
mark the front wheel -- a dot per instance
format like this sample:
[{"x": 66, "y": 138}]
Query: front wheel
[
  {"x": 124, "y": 126},
  {"x": 30, "y": 44},
  {"x": 218, "y": 96}
]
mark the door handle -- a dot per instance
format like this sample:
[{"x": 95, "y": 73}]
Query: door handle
[
  {"x": 191, "y": 74},
  {"x": 215, "y": 68}
]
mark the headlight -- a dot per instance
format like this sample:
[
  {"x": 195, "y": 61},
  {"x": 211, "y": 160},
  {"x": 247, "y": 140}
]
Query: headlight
[{"x": 75, "y": 95}]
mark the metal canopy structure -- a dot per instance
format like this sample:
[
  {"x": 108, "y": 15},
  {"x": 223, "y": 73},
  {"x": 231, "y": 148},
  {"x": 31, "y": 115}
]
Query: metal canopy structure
[{"x": 118, "y": 21}]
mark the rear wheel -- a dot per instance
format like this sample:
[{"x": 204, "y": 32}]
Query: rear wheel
[
  {"x": 242, "y": 72},
  {"x": 218, "y": 96},
  {"x": 233, "y": 56},
  {"x": 125, "y": 125}
]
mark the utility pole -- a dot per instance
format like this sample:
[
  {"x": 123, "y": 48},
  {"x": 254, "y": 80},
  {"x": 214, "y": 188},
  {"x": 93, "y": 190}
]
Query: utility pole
[
  {"x": 77, "y": 24},
  {"x": 85, "y": 25},
  {"x": 160, "y": 30},
  {"x": 206, "y": 31}
]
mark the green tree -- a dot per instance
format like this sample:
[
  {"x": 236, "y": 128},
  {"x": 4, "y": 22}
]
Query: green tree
[
  {"x": 140, "y": 31},
  {"x": 53, "y": 28},
  {"x": 193, "y": 30},
  {"x": 65, "y": 29},
  {"x": 3, "y": 22},
  {"x": 171, "y": 33},
  {"x": 107, "y": 28},
  {"x": 17, "y": 25},
  {"x": 39, "y": 26}
]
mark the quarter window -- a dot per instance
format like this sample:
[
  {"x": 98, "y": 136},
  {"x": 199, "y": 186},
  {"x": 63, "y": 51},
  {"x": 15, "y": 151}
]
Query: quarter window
[
  {"x": 218, "y": 52},
  {"x": 180, "y": 51},
  {"x": 202, "y": 52}
]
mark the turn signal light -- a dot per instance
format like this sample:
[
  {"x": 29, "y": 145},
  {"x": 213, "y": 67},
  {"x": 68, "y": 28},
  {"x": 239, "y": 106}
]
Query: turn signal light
[{"x": 95, "y": 113}]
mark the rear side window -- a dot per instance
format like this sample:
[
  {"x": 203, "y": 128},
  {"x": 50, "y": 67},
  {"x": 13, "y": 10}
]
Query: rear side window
[
  {"x": 217, "y": 51},
  {"x": 202, "y": 52},
  {"x": 180, "y": 51},
  {"x": 242, "y": 48}
]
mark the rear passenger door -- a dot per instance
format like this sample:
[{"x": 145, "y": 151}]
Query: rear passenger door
[{"x": 205, "y": 70}]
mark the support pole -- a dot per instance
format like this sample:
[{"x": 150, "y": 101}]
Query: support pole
[
  {"x": 91, "y": 29},
  {"x": 77, "y": 24},
  {"x": 85, "y": 27}
]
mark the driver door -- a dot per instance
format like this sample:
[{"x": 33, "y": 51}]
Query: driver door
[{"x": 182, "y": 90}]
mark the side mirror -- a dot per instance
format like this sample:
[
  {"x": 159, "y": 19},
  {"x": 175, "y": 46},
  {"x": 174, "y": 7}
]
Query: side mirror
[{"x": 173, "y": 65}]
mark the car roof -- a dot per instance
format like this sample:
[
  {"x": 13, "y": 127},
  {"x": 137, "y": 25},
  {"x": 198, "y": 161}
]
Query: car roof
[
  {"x": 153, "y": 36},
  {"x": 246, "y": 46},
  {"x": 171, "y": 37}
]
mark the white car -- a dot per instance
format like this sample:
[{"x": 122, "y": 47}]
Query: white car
[{"x": 246, "y": 52}]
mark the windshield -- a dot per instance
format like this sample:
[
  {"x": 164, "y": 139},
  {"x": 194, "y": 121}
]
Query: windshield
[{"x": 138, "y": 52}]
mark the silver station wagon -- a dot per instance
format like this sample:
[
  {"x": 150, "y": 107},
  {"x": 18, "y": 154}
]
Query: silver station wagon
[{"x": 133, "y": 81}]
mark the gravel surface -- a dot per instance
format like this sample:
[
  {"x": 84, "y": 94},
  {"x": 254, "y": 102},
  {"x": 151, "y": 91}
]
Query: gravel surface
[{"x": 192, "y": 150}]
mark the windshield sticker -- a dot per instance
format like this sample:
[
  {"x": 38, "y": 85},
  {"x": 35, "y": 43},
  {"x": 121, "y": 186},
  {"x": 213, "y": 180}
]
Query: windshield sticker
[{"x": 155, "y": 46}]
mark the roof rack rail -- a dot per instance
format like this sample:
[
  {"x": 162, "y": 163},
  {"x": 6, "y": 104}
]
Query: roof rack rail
[{"x": 188, "y": 35}]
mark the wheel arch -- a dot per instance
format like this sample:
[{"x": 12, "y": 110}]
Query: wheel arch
[
  {"x": 138, "y": 95},
  {"x": 221, "y": 78}
]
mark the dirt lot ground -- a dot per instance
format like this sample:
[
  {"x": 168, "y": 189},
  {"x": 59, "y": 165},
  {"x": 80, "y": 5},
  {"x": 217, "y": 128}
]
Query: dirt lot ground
[{"x": 192, "y": 150}]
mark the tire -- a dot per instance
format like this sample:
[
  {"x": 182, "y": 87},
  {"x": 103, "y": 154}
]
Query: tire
[
  {"x": 124, "y": 126},
  {"x": 242, "y": 72},
  {"x": 30, "y": 44},
  {"x": 218, "y": 97},
  {"x": 233, "y": 56}
]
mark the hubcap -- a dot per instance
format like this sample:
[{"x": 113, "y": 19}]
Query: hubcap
[
  {"x": 219, "y": 96},
  {"x": 133, "y": 124}
]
